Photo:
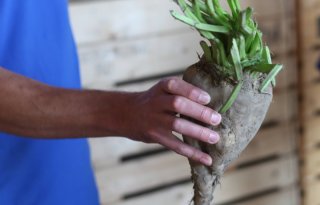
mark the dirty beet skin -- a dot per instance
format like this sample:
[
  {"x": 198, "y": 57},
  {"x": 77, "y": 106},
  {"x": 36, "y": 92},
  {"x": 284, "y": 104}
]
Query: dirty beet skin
[{"x": 238, "y": 127}]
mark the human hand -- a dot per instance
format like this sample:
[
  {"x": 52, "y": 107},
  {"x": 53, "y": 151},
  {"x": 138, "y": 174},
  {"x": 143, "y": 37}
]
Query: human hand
[{"x": 154, "y": 115}]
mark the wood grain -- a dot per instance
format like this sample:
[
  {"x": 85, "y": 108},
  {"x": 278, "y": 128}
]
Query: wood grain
[
  {"x": 274, "y": 174},
  {"x": 107, "y": 152},
  {"x": 97, "y": 21}
]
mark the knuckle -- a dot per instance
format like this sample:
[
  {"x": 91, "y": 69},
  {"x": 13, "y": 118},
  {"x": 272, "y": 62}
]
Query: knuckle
[
  {"x": 193, "y": 94},
  {"x": 195, "y": 156},
  {"x": 178, "y": 103},
  {"x": 151, "y": 133},
  {"x": 176, "y": 125},
  {"x": 163, "y": 83},
  {"x": 205, "y": 113},
  {"x": 203, "y": 134},
  {"x": 169, "y": 84},
  {"x": 180, "y": 149},
  {"x": 185, "y": 151}
]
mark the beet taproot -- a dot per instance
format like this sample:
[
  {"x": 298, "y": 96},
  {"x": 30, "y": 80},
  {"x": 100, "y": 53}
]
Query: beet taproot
[
  {"x": 236, "y": 69},
  {"x": 238, "y": 127}
]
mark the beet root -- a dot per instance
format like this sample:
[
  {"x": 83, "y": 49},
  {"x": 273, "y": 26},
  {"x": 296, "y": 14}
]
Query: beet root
[{"x": 238, "y": 127}]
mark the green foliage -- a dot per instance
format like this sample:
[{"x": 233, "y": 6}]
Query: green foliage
[{"x": 234, "y": 42}]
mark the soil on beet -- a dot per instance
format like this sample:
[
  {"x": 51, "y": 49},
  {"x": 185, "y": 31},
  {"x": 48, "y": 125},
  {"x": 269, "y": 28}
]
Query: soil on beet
[{"x": 238, "y": 127}]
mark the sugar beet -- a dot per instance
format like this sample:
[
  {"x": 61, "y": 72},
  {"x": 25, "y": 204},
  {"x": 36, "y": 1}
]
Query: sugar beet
[{"x": 238, "y": 127}]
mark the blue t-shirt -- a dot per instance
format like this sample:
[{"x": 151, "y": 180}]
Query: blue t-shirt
[{"x": 36, "y": 41}]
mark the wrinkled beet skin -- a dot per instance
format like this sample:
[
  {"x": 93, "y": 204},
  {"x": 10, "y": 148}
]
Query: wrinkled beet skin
[{"x": 238, "y": 127}]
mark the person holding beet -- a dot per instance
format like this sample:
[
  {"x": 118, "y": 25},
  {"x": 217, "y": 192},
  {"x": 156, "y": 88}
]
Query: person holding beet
[{"x": 45, "y": 117}]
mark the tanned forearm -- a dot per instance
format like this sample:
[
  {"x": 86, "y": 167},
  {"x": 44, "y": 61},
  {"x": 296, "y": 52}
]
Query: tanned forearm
[
  {"x": 32, "y": 109},
  {"x": 29, "y": 108}
]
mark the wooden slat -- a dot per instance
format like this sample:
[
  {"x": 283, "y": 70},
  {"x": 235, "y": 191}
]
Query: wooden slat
[
  {"x": 138, "y": 175},
  {"x": 312, "y": 132},
  {"x": 103, "y": 65},
  {"x": 310, "y": 25},
  {"x": 311, "y": 196},
  {"x": 312, "y": 166},
  {"x": 311, "y": 72},
  {"x": 140, "y": 54},
  {"x": 107, "y": 152},
  {"x": 287, "y": 196},
  {"x": 266, "y": 143},
  {"x": 310, "y": 4},
  {"x": 288, "y": 76},
  {"x": 312, "y": 100},
  {"x": 178, "y": 196},
  {"x": 311, "y": 169},
  {"x": 279, "y": 33},
  {"x": 108, "y": 20},
  {"x": 310, "y": 87},
  {"x": 283, "y": 108},
  {"x": 274, "y": 174}
]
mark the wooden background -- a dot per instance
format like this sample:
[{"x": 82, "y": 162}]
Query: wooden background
[
  {"x": 129, "y": 45},
  {"x": 309, "y": 58}
]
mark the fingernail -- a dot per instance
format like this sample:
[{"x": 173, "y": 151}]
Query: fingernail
[
  {"x": 206, "y": 160},
  {"x": 213, "y": 138},
  {"x": 216, "y": 119},
  {"x": 204, "y": 98}
]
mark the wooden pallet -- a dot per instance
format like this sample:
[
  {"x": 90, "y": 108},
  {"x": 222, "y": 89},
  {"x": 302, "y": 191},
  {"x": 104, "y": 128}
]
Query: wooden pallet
[
  {"x": 120, "y": 49},
  {"x": 309, "y": 73}
]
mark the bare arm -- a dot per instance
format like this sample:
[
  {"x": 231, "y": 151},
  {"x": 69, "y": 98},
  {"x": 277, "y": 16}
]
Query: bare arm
[{"x": 33, "y": 109}]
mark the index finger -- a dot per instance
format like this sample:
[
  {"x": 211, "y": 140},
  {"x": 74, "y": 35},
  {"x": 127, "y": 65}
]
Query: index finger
[{"x": 180, "y": 87}]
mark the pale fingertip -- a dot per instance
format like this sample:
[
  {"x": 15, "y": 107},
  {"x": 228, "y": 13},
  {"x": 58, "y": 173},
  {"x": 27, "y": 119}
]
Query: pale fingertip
[
  {"x": 207, "y": 160},
  {"x": 204, "y": 98},
  {"x": 213, "y": 138},
  {"x": 216, "y": 119}
]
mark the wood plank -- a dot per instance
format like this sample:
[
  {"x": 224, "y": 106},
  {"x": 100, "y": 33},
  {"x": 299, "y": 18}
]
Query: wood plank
[
  {"x": 311, "y": 72},
  {"x": 98, "y": 21},
  {"x": 137, "y": 175},
  {"x": 310, "y": 42},
  {"x": 279, "y": 33},
  {"x": 311, "y": 104},
  {"x": 283, "y": 107},
  {"x": 104, "y": 64},
  {"x": 107, "y": 152},
  {"x": 310, "y": 35},
  {"x": 266, "y": 143},
  {"x": 312, "y": 166},
  {"x": 112, "y": 20},
  {"x": 312, "y": 194},
  {"x": 310, "y": 4},
  {"x": 167, "y": 168},
  {"x": 288, "y": 77},
  {"x": 288, "y": 196},
  {"x": 312, "y": 132},
  {"x": 180, "y": 196}
]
